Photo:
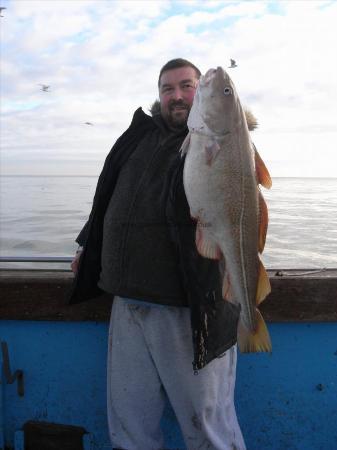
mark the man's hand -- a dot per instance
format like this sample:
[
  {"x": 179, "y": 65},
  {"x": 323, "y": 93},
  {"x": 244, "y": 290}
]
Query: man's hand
[{"x": 75, "y": 261}]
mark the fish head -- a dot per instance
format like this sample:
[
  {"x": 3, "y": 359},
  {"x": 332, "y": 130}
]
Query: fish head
[{"x": 216, "y": 103}]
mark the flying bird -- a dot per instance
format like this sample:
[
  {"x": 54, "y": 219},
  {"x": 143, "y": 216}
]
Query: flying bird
[
  {"x": 1, "y": 9},
  {"x": 233, "y": 64},
  {"x": 45, "y": 87},
  {"x": 88, "y": 123}
]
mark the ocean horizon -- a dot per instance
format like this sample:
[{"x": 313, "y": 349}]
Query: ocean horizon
[
  {"x": 42, "y": 214},
  {"x": 11, "y": 175}
]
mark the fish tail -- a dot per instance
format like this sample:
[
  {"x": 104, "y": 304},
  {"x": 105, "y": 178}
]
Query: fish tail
[{"x": 258, "y": 341}]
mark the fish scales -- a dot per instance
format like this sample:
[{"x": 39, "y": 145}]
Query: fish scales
[
  {"x": 220, "y": 181},
  {"x": 217, "y": 186}
]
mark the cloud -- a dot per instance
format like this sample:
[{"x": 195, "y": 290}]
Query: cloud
[{"x": 102, "y": 60}]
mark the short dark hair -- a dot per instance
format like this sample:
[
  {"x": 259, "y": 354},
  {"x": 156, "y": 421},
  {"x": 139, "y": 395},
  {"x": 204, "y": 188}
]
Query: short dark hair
[{"x": 176, "y": 64}]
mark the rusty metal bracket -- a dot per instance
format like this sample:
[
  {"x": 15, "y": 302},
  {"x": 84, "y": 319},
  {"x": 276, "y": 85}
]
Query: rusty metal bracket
[{"x": 9, "y": 376}]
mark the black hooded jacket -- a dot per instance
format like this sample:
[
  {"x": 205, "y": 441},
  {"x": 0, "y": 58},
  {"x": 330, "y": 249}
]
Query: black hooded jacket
[{"x": 195, "y": 281}]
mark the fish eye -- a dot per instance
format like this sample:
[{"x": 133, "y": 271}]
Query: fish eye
[{"x": 227, "y": 90}]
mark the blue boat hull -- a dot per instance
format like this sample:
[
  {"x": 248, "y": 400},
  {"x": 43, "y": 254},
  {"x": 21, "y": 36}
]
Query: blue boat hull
[{"x": 285, "y": 400}]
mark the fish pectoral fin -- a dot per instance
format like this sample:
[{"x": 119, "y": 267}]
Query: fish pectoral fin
[
  {"x": 206, "y": 246},
  {"x": 257, "y": 341},
  {"x": 185, "y": 145},
  {"x": 262, "y": 174},
  {"x": 211, "y": 150},
  {"x": 263, "y": 285},
  {"x": 263, "y": 222}
]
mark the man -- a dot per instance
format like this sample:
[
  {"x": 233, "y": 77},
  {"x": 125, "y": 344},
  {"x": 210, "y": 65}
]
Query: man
[{"x": 139, "y": 247}]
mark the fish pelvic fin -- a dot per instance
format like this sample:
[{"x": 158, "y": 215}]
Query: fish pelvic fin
[
  {"x": 263, "y": 222},
  {"x": 205, "y": 245},
  {"x": 185, "y": 145},
  {"x": 262, "y": 174},
  {"x": 263, "y": 284},
  {"x": 253, "y": 342}
]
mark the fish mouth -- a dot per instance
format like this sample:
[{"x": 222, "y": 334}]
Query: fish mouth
[{"x": 211, "y": 74}]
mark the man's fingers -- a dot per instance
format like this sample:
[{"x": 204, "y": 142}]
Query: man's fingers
[
  {"x": 74, "y": 265},
  {"x": 74, "y": 262}
]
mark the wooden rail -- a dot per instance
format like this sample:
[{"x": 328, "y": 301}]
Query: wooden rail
[{"x": 297, "y": 296}]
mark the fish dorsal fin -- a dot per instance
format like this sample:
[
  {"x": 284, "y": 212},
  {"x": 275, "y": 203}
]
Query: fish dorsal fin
[
  {"x": 263, "y": 284},
  {"x": 262, "y": 174},
  {"x": 206, "y": 246},
  {"x": 263, "y": 222},
  {"x": 185, "y": 145}
]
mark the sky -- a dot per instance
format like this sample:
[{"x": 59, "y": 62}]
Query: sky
[{"x": 101, "y": 60}]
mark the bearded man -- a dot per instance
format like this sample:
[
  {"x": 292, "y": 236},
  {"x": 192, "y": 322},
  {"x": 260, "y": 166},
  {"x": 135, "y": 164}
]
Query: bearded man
[{"x": 170, "y": 334}]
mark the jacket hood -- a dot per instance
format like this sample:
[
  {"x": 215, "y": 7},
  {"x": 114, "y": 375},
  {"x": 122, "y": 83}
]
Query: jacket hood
[
  {"x": 250, "y": 118},
  {"x": 155, "y": 108}
]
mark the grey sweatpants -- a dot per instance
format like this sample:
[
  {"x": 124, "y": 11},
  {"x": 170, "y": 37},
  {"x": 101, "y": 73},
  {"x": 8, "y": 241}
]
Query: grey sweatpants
[{"x": 150, "y": 350}]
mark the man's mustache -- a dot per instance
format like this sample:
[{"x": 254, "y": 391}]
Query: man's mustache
[{"x": 179, "y": 103}]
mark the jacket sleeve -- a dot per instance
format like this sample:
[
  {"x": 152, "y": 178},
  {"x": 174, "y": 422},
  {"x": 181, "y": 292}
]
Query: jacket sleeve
[
  {"x": 112, "y": 164},
  {"x": 85, "y": 286},
  {"x": 83, "y": 235}
]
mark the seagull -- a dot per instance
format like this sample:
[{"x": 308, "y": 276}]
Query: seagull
[
  {"x": 1, "y": 9},
  {"x": 88, "y": 123},
  {"x": 45, "y": 87},
  {"x": 233, "y": 64}
]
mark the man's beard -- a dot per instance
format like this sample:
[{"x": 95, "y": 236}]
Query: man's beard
[{"x": 177, "y": 120}]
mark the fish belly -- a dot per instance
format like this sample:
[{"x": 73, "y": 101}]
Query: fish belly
[{"x": 223, "y": 198}]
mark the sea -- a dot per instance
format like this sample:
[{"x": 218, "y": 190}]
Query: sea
[{"x": 42, "y": 215}]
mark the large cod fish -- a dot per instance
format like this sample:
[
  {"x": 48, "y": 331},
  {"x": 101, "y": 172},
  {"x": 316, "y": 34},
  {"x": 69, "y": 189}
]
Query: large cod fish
[{"x": 222, "y": 171}]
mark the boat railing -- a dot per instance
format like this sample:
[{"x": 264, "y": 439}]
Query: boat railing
[
  {"x": 49, "y": 259},
  {"x": 34, "y": 263},
  {"x": 301, "y": 295}
]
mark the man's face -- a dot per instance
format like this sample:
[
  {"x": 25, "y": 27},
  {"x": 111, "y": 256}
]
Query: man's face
[{"x": 176, "y": 92}]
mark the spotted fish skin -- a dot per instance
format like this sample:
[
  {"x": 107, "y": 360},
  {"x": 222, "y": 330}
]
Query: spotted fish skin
[{"x": 222, "y": 173}]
